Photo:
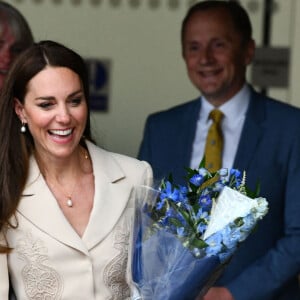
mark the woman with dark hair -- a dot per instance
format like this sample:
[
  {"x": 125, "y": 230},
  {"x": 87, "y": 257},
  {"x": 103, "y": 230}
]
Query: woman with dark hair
[
  {"x": 65, "y": 202},
  {"x": 15, "y": 37}
]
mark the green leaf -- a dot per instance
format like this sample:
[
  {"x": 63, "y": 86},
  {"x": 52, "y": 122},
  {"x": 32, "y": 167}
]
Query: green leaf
[
  {"x": 176, "y": 222},
  {"x": 202, "y": 163},
  {"x": 170, "y": 177},
  {"x": 197, "y": 243},
  {"x": 255, "y": 193},
  {"x": 239, "y": 222}
]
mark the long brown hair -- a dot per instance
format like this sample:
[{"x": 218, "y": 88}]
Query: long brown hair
[{"x": 16, "y": 147}]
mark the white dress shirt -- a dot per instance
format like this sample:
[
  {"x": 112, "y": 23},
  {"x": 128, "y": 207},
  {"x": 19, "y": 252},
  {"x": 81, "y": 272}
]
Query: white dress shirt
[{"x": 234, "y": 112}]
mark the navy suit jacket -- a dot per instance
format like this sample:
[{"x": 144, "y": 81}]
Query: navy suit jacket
[{"x": 267, "y": 263}]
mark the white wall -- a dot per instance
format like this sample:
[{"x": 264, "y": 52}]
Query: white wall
[
  {"x": 294, "y": 94},
  {"x": 143, "y": 43}
]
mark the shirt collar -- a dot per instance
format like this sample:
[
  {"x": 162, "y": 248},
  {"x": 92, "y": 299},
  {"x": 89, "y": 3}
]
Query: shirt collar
[{"x": 234, "y": 109}]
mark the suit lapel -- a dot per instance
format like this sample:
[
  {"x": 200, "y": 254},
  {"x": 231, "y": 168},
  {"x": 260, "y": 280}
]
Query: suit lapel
[
  {"x": 180, "y": 144},
  {"x": 188, "y": 135},
  {"x": 252, "y": 132}
]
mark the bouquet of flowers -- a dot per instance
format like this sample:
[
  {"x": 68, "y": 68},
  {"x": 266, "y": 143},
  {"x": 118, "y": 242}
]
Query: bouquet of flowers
[{"x": 183, "y": 235}]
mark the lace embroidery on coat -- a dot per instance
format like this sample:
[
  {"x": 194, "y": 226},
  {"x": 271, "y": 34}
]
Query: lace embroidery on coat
[
  {"x": 114, "y": 275},
  {"x": 41, "y": 281}
]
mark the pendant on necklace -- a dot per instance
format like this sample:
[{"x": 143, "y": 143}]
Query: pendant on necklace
[{"x": 69, "y": 202}]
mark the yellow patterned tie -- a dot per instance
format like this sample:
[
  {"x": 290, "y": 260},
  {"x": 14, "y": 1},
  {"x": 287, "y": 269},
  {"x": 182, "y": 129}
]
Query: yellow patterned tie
[{"x": 214, "y": 142}]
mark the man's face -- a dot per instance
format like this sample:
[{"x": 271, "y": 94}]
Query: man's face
[
  {"x": 215, "y": 56},
  {"x": 7, "y": 51}
]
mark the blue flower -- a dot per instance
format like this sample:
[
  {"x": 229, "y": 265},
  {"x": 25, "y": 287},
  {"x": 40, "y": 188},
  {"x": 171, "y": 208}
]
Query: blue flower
[
  {"x": 231, "y": 236},
  {"x": 218, "y": 186},
  {"x": 236, "y": 175},
  {"x": 169, "y": 193},
  {"x": 201, "y": 227},
  {"x": 197, "y": 180},
  {"x": 246, "y": 228},
  {"x": 160, "y": 204},
  {"x": 205, "y": 202},
  {"x": 206, "y": 191},
  {"x": 172, "y": 215},
  {"x": 214, "y": 244},
  {"x": 185, "y": 211},
  {"x": 183, "y": 190},
  {"x": 249, "y": 222},
  {"x": 170, "y": 212},
  {"x": 180, "y": 231},
  {"x": 203, "y": 172},
  {"x": 182, "y": 197},
  {"x": 223, "y": 172},
  {"x": 202, "y": 219},
  {"x": 202, "y": 214}
]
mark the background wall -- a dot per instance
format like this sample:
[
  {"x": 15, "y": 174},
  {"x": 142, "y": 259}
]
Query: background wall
[{"x": 142, "y": 40}]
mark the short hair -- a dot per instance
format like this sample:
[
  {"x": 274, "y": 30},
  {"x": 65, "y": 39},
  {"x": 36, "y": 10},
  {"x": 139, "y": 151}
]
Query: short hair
[
  {"x": 18, "y": 24},
  {"x": 237, "y": 13}
]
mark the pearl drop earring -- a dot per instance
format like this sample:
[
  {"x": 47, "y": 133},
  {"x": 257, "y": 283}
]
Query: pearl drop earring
[{"x": 23, "y": 128}]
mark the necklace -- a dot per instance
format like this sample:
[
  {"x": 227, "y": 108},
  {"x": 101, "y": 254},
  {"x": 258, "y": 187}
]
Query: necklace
[{"x": 69, "y": 197}]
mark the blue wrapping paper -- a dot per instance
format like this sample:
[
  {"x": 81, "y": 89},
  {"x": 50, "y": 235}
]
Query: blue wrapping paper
[
  {"x": 165, "y": 264},
  {"x": 163, "y": 269}
]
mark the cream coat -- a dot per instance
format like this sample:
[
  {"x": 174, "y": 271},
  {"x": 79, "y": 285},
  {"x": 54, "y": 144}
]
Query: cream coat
[{"x": 50, "y": 261}]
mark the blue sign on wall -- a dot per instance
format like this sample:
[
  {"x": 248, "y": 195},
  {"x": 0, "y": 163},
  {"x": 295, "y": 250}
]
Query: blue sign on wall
[{"x": 99, "y": 77}]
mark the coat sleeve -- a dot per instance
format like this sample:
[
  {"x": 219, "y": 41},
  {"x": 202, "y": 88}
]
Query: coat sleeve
[{"x": 148, "y": 175}]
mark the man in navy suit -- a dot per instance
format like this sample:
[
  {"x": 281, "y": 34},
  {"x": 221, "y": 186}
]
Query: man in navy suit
[{"x": 261, "y": 136}]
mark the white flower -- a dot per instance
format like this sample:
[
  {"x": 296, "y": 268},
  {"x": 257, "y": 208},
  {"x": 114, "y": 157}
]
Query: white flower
[
  {"x": 231, "y": 205},
  {"x": 261, "y": 208}
]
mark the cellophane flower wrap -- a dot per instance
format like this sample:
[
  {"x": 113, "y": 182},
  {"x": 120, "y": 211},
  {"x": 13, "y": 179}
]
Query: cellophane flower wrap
[{"x": 184, "y": 235}]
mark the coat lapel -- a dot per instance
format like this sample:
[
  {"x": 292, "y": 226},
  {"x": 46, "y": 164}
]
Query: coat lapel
[
  {"x": 252, "y": 132},
  {"x": 112, "y": 192},
  {"x": 39, "y": 206}
]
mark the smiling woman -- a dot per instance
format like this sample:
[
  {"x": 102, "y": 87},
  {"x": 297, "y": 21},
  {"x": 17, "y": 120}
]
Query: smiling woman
[
  {"x": 65, "y": 202},
  {"x": 56, "y": 118}
]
